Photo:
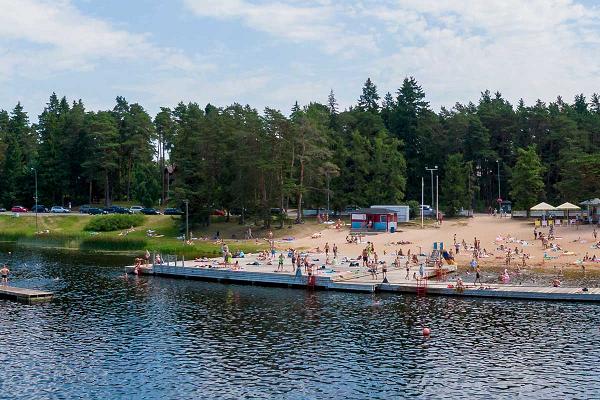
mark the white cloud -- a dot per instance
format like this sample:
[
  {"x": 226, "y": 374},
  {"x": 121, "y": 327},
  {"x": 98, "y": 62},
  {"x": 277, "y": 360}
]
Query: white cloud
[
  {"x": 456, "y": 49},
  {"x": 315, "y": 21},
  {"x": 39, "y": 37}
]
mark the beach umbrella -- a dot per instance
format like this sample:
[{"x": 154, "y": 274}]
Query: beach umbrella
[
  {"x": 568, "y": 206},
  {"x": 543, "y": 207}
]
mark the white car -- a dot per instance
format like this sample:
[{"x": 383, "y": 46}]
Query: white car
[
  {"x": 59, "y": 210},
  {"x": 135, "y": 209}
]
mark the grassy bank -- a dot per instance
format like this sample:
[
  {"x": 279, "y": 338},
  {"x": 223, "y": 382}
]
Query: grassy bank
[{"x": 68, "y": 232}]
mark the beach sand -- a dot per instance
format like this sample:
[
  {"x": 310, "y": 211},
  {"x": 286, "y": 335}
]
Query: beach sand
[{"x": 488, "y": 229}]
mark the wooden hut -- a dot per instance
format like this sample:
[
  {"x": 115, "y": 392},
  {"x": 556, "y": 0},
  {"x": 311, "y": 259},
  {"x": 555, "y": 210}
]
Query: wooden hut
[{"x": 374, "y": 220}]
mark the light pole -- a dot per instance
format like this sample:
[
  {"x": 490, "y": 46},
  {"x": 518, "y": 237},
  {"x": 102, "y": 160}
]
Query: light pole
[
  {"x": 498, "y": 163},
  {"x": 36, "y": 200},
  {"x": 187, "y": 227},
  {"x": 431, "y": 170},
  {"x": 437, "y": 199},
  {"x": 422, "y": 199}
]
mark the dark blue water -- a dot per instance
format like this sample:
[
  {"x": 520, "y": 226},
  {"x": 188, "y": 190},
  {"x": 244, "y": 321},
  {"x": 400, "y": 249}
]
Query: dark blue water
[{"x": 107, "y": 337}]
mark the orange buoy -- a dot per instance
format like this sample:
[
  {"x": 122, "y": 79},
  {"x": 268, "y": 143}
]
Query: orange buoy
[{"x": 426, "y": 331}]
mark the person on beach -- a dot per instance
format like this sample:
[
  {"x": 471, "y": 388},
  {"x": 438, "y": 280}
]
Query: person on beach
[
  {"x": 365, "y": 257},
  {"x": 384, "y": 270},
  {"x": 595, "y": 234},
  {"x": 335, "y": 250},
  {"x": 422, "y": 270},
  {"x": 407, "y": 266},
  {"x": 4, "y": 273},
  {"x": 478, "y": 277},
  {"x": 473, "y": 264},
  {"x": 280, "y": 264},
  {"x": 326, "y": 249}
]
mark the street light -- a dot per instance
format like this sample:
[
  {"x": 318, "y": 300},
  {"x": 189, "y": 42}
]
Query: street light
[
  {"x": 498, "y": 163},
  {"x": 36, "y": 200},
  {"x": 187, "y": 229},
  {"x": 431, "y": 170}
]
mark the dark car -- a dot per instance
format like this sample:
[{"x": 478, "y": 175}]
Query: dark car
[
  {"x": 2, "y": 209},
  {"x": 39, "y": 209},
  {"x": 173, "y": 211},
  {"x": 150, "y": 211},
  {"x": 18, "y": 209},
  {"x": 94, "y": 211},
  {"x": 85, "y": 209},
  {"x": 117, "y": 210}
]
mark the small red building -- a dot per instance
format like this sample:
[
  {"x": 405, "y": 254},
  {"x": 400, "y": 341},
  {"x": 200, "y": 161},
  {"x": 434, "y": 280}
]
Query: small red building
[{"x": 374, "y": 219}]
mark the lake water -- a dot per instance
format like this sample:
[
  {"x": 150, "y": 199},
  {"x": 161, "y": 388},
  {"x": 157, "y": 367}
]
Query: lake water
[{"x": 107, "y": 337}]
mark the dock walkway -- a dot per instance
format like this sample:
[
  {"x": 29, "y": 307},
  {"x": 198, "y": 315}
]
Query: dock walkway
[
  {"x": 23, "y": 294},
  {"x": 357, "y": 280}
]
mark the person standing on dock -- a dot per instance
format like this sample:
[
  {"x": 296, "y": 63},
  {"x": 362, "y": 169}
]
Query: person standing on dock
[
  {"x": 4, "y": 273},
  {"x": 478, "y": 277}
]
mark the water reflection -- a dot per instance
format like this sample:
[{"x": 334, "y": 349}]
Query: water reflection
[{"x": 105, "y": 336}]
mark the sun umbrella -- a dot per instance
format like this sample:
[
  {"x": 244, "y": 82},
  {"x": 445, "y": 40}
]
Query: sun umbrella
[
  {"x": 543, "y": 207},
  {"x": 568, "y": 206}
]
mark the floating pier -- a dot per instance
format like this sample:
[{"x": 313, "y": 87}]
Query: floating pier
[
  {"x": 362, "y": 282},
  {"x": 24, "y": 295}
]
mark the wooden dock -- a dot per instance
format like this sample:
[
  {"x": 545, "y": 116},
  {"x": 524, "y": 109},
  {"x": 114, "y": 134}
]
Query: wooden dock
[
  {"x": 362, "y": 282},
  {"x": 24, "y": 295}
]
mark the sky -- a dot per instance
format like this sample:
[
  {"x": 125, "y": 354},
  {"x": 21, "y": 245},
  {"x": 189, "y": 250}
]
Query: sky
[{"x": 273, "y": 53}]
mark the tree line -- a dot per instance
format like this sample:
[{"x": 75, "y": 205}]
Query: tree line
[{"x": 237, "y": 158}]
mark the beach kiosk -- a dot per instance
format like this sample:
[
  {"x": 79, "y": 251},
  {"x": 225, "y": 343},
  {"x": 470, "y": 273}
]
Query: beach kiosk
[{"x": 374, "y": 220}]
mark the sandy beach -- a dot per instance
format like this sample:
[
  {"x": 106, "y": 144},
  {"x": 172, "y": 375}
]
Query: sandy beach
[{"x": 492, "y": 232}]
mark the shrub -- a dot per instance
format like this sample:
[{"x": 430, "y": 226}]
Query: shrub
[
  {"x": 115, "y": 222},
  {"x": 415, "y": 208}
]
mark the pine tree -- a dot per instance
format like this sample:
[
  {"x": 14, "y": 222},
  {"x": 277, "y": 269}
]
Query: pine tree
[
  {"x": 369, "y": 100},
  {"x": 526, "y": 181}
]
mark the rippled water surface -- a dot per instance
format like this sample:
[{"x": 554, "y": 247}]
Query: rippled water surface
[{"x": 107, "y": 337}]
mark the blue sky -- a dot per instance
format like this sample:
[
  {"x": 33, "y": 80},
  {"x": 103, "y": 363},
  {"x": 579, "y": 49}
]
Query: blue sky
[{"x": 272, "y": 53}]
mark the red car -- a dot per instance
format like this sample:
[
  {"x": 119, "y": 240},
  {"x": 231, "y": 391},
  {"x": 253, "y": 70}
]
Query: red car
[
  {"x": 18, "y": 209},
  {"x": 220, "y": 213}
]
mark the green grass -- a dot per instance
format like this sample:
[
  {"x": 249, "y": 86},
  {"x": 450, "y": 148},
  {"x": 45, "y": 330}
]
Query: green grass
[{"x": 68, "y": 232}]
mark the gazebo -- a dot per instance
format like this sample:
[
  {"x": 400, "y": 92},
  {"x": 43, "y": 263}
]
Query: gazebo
[
  {"x": 566, "y": 207},
  {"x": 593, "y": 208}
]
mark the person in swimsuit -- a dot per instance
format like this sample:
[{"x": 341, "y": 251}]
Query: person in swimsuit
[
  {"x": 4, "y": 273},
  {"x": 478, "y": 276}
]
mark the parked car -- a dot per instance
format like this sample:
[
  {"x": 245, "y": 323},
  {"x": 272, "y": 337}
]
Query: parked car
[
  {"x": 173, "y": 211},
  {"x": 116, "y": 210},
  {"x": 220, "y": 213},
  {"x": 150, "y": 211},
  {"x": 84, "y": 209},
  {"x": 59, "y": 210},
  {"x": 95, "y": 211},
  {"x": 135, "y": 209},
  {"x": 2, "y": 209},
  {"x": 39, "y": 209},
  {"x": 19, "y": 209},
  {"x": 428, "y": 211}
]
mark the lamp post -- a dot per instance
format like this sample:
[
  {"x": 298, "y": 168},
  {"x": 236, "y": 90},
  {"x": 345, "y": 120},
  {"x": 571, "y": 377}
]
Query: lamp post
[
  {"x": 422, "y": 199},
  {"x": 36, "y": 199},
  {"x": 187, "y": 227},
  {"x": 431, "y": 170},
  {"x": 499, "y": 197},
  {"x": 437, "y": 199}
]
